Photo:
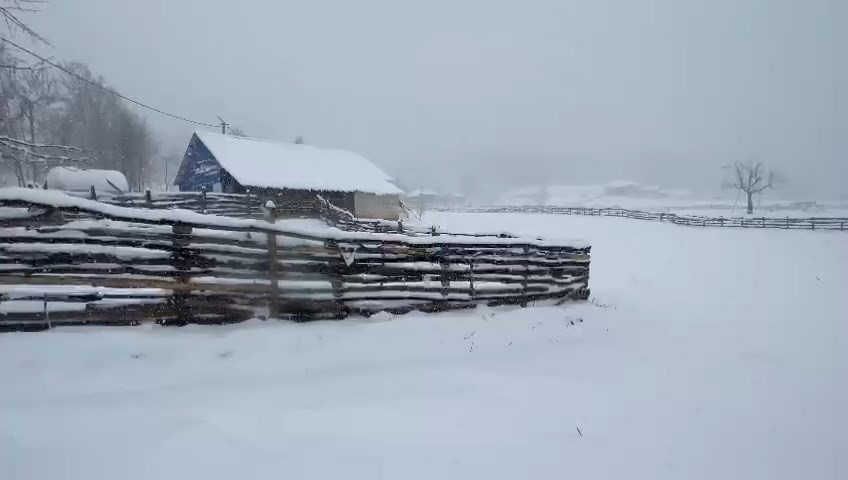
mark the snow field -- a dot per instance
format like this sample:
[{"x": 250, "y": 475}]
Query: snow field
[{"x": 706, "y": 354}]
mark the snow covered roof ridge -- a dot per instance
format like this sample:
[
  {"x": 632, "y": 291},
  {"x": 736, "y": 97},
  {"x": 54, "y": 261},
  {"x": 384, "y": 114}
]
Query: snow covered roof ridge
[{"x": 267, "y": 163}]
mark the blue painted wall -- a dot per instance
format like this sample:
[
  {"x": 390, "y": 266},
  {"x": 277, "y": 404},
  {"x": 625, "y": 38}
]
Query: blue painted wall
[{"x": 199, "y": 168}]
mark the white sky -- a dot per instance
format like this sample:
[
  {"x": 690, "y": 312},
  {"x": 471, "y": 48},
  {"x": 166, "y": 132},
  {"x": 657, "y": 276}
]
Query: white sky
[{"x": 660, "y": 91}]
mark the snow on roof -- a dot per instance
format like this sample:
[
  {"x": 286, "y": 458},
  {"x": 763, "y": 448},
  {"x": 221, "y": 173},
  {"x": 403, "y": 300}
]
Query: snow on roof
[
  {"x": 77, "y": 179},
  {"x": 265, "y": 163},
  {"x": 422, "y": 192}
]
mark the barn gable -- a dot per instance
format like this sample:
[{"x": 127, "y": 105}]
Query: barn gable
[{"x": 199, "y": 169}]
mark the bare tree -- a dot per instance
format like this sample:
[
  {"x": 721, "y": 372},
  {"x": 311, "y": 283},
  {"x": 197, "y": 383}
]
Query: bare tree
[
  {"x": 420, "y": 206},
  {"x": 27, "y": 92},
  {"x": 90, "y": 117},
  {"x": 298, "y": 140},
  {"x": 36, "y": 97},
  {"x": 47, "y": 120},
  {"x": 25, "y": 157},
  {"x": 752, "y": 178}
]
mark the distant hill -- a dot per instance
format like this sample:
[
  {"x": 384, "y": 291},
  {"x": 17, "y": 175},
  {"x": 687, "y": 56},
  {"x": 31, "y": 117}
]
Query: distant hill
[
  {"x": 619, "y": 193},
  {"x": 633, "y": 195}
]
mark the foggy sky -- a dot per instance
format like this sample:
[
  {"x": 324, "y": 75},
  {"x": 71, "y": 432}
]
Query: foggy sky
[{"x": 659, "y": 91}]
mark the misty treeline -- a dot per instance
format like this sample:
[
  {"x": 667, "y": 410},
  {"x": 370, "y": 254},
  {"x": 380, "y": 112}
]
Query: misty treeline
[{"x": 50, "y": 118}]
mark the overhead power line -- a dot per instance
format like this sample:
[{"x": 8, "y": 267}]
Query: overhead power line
[{"x": 107, "y": 90}]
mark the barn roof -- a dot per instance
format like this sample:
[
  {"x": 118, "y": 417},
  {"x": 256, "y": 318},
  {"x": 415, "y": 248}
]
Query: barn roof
[{"x": 264, "y": 163}]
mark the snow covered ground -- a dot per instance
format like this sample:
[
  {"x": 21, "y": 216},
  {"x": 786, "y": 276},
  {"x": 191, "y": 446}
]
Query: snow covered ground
[{"x": 706, "y": 354}]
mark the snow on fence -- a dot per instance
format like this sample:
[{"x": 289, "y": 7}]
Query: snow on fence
[
  {"x": 811, "y": 223},
  {"x": 66, "y": 261},
  {"x": 224, "y": 204},
  {"x": 250, "y": 206}
]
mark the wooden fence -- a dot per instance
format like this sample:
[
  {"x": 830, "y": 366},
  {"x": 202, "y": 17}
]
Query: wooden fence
[
  {"x": 223, "y": 204},
  {"x": 788, "y": 223},
  {"x": 250, "y": 206},
  {"x": 68, "y": 261}
]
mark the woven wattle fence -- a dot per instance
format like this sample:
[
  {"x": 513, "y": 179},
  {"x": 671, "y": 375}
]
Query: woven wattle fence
[
  {"x": 69, "y": 261},
  {"x": 787, "y": 223}
]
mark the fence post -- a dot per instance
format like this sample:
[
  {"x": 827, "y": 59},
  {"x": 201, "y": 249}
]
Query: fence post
[
  {"x": 471, "y": 278},
  {"x": 273, "y": 304},
  {"x": 92, "y": 194},
  {"x": 47, "y": 313},
  {"x": 812, "y": 225},
  {"x": 721, "y": 221},
  {"x": 148, "y": 198},
  {"x": 787, "y": 223},
  {"x": 444, "y": 263},
  {"x": 202, "y": 199},
  {"x": 526, "y": 274},
  {"x": 248, "y": 204},
  {"x": 841, "y": 226},
  {"x": 182, "y": 258},
  {"x": 763, "y": 222},
  {"x": 336, "y": 278},
  {"x": 400, "y": 226}
]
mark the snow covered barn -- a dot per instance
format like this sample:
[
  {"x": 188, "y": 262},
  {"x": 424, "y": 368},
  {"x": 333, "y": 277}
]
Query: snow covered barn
[{"x": 288, "y": 171}]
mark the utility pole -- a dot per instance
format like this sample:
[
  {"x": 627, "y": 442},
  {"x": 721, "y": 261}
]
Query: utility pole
[{"x": 224, "y": 125}]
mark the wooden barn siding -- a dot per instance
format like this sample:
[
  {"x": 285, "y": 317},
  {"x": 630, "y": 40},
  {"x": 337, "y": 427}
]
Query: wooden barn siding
[{"x": 199, "y": 168}]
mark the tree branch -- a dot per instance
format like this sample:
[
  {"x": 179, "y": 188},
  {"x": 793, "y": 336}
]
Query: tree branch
[
  {"x": 13, "y": 22},
  {"x": 8, "y": 140},
  {"x": 24, "y": 152},
  {"x": 30, "y": 68}
]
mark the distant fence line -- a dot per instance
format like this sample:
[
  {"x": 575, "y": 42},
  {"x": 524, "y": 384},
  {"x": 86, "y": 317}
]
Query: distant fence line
[
  {"x": 788, "y": 223},
  {"x": 250, "y": 206},
  {"x": 68, "y": 261}
]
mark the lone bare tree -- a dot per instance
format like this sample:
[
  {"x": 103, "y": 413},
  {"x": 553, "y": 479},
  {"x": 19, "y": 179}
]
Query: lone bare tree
[
  {"x": 752, "y": 178},
  {"x": 420, "y": 205}
]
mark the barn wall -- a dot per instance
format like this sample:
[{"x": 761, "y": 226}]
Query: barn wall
[
  {"x": 345, "y": 200},
  {"x": 369, "y": 205},
  {"x": 286, "y": 198},
  {"x": 200, "y": 169}
]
